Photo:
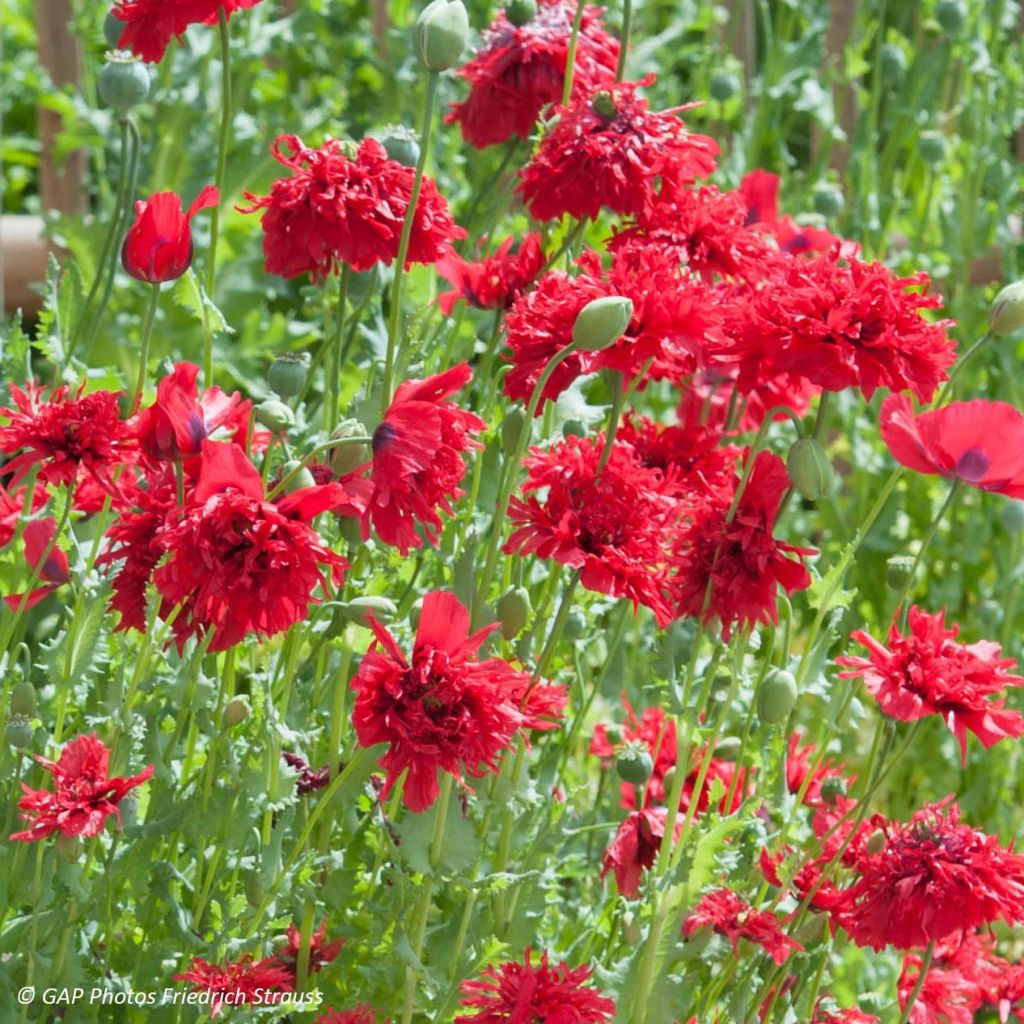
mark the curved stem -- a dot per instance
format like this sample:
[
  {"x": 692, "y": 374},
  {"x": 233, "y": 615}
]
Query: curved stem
[
  {"x": 147, "y": 334},
  {"x": 570, "y": 59},
  {"x": 222, "y": 161},
  {"x": 958, "y": 367},
  {"x": 627, "y": 24}
]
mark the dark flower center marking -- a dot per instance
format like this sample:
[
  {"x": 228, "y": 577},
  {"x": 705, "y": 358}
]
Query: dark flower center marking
[{"x": 972, "y": 465}]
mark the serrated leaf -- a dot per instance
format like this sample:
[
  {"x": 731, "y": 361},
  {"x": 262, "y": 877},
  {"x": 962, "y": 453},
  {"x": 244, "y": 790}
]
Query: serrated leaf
[
  {"x": 190, "y": 295},
  {"x": 459, "y": 846},
  {"x": 81, "y": 649}
]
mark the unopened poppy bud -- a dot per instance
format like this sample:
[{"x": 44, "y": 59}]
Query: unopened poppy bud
[
  {"x": 519, "y": 12},
  {"x": 724, "y": 85},
  {"x": 236, "y": 711},
  {"x": 809, "y": 469},
  {"x": 275, "y": 415},
  {"x": 383, "y": 609},
  {"x": 513, "y": 610},
  {"x": 288, "y": 374},
  {"x": 776, "y": 696},
  {"x": 931, "y": 146},
  {"x": 893, "y": 61},
  {"x": 295, "y": 476},
  {"x": 613, "y": 732},
  {"x": 254, "y": 890},
  {"x": 951, "y": 15},
  {"x": 832, "y": 789},
  {"x": 728, "y": 748},
  {"x": 512, "y": 430},
  {"x": 400, "y": 143},
  {"x": 347, "y": 458},
  {"x": 23, "y": 699},
  {"x": 601, "y": 322},
  {"x": 828, "y": 200},
  {"x": 634, "y": 764},
  {"x": 875, "y": 842},
  {"x": 123, "y": 82},
  {"x": 898, "y": 572},
  {"x": 19, "y": 731},
  {"x": 604, "y": 103},
  {"x": 668, "y": 779},
  {"x": 113, "y": 29},
  {"x": 575, "y": 623},
  {"x": 442, "y": 31},
  {"x": 69, "y": 848},
  {"x": 1012, "y": 516},
  {"x": 872, "y": 1002},
  {"x": 573, "y": 428},
  {"x": 1007, "y": 313}
]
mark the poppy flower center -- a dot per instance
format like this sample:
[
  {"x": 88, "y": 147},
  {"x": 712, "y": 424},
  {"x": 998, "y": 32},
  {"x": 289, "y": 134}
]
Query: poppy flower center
[
  {"x": 383, "y": 436},
  {"x": 972, "y": 466}
]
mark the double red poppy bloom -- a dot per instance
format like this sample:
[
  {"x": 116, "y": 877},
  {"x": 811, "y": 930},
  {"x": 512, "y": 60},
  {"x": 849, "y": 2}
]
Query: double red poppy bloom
[
  {"x": 443, "y": 709},
  {"x": 158, "y": 246},
  {"x": 729, "y": 915}
]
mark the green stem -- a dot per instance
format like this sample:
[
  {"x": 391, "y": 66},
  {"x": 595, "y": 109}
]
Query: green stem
[
  {"x": 332, "y": 367},
  {"x": 627, "y": 24},
  {"x": 222, "y": 162},
  {"x": 570, "y": 59},
  {"x": 147, "y": 334},
  {"x": 395, "y": 319},
  {"x": 613, "y": 422},
  {"x": 959, "y": 366},
  {"x": 925, "y": 965}
]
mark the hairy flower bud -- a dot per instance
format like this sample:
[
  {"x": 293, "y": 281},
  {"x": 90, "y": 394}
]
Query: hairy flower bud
[
  {"x": 275, "y": 415},
  {"x": 236, "y": 711},
  {"x": 601, "y": 322},
  {"x": 295, "y": 476},
  {"x": 875, "y": 842},
  {"x": 347, "y": 458},
  {"x": 19, "y": 731},
  {"x": 512, "y": 429},
  {"x": 728, "y": 748},
  {"x": 442, "y": 31},
  {"x": 69, "y": 848},
  {"x": 1011, "y": 515},
  {"x": 893, "y": 61},
  {"x": 513, "y": 610},
  {"x": 898, "y": 571},
  {"x": 951, "y": 15},
  {"x": 23, "y": 699},
  {"x": 113, "y": 29},
  {"x": 288, "y": 374},
  {"x": 832, "y": 788},
  {"x": 359, "y": 609},
  {"x": 1007, "y": 313},
  {"x": 776, "y": 696},
  {"x": 810, "y": 470}
]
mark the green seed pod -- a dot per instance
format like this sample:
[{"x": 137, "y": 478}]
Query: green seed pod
[
  {"x": 513, "y": 610},
  {"x": 604, "y": 104},
  {"x": 383, "y": 609},
  {"x": 302, "y": 478},
  {"x": 898, "y": 571},
  {"x": 828, "y": 200},
  {"x": 519, "y": 12},
  {"x": 69, "y": 848},
  {"x": 728, "y": 748},
  {"x": 601, "y": 322},
  {"x": 236, "y": 711},
  {"x": 442, "y": 31},
  {"x": 776, "y": 697},
  {"x": 347, "y": 458},
  {"x": 832, "y": 788},
  {"x": 254, "y": 890},
  {"x": 1011, "y": 515},
  {"x": 932, "y": 147},
  {"x": 19, "y": 731},
  {"x": 893, "y": 61},
  {"x": 951, "y": 15},
  {"x": 872, "y": 1002},
  {"x": 23, "y": 699},
  {"x": 288, "y": 374},
  {"x": 512, "y": 429},
  {"x": 123, "y": 83},
  {"x": 875, "y": 842},
  {"x": 575, "y": 624},
  {"x": 634, "y": 764},
  {"x": 401, "y": 144},
  {"x": 810, "y": 470},
  {"x": 1007, "y": 313},
  {"x": 275, "y": 415},
  {"x": 724, "y": 85},
  {"x": 113, "y": 29},
  {"x": 573, "y": 428}
]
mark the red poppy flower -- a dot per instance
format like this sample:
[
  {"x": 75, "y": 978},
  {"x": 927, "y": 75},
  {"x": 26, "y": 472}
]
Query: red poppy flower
[
  {"x": 417, "y": 459},
  {"x": 321, "y": 952},
  {"x": 979, "y": 443},
  {"x": 362, "y": 1014},
  {"x": 657, "y": 732},
  {"x": 176, "y": 424},
  {"x": 635, "y": 848},
  {"x": 495, "y": 282},
  {"x": 520, "y": 69},
  {"x": 54, "y": 572},
  {"x": 741, "y": 560},
  {"x": 340, "y": 209},
  {"x": 84, "y": 794},
  {"x": 823, "y": 1014},
  {"x": 158, "y": 246},
  {"x": 64, "y": 436},
  {"x": 614, "y": 526},
  {"x": 239, "y": 983},
  {"x": 13, "y": 510},
  {"x": 515, "y": 991},
  {"x": 733, "y": 917},
  {"x": 946, "y": 997},
  {"x": 150, "y": 25},
  {"x": 934, "y": 877},
  {"x": 800, "y": 764},
  {"x": 238, "y": 563},
  {"x": 444, "y": 709},
  {"x": 612, "y": 151},
  {"x": 842, "y": 324},
  {"x": 927, "y": 672},
  {"x": 309, "y": 779}
]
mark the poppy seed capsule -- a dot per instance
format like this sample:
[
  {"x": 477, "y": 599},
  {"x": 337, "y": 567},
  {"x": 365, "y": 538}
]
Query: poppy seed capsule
[
  {"x": 512, "y": 430},
  {"x": 123, "y": 83},
  {"x": 898, "y": 570},
  {"x": 931, "y": 146},
  {"x": 236, "y": 711},
  {"x": 724, "y": 85},
  {"x": 442, "y": 31},
  {"x": 275, "y": 415},
  {"x": 809, "y": 469},
  {"x": 513, "y": 610},
  {"x": 634, "y": 764},
  {"x": 776, "y": 697},
  {"x": 19, "y": 731},
  {"x": 893, "y": 61},
  {"x": 347, "y": 458},
  {"x": 828, "y": 200},
  {"x": 519, "y": 12},
  {"x": 400, "y": 143},
  {"x": 951, "y": 15},
  {"x": 1007, "y": 313},
  {"x": 302, "y": 476},
  {"x": 23, "y": 699},
  {"x": 600, "y": 323},
  {"x": 604, "y": 104},
  {"x": 288, "y": 374}
]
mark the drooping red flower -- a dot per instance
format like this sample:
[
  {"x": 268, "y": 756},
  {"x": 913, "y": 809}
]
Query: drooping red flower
[
  {"x": 158, "y": 246},
  {"x": 239, "y": 563},
  {"x": 321, "y": 952},
  {"x": 613, "y": 151},
  {"x": 844, "y": 323},
  {"x": 825, "y": 1012},
  {"x": 417, "y": 459},
  {"x": 150, "y": 25},
  {"x": 520, "y": 69},
  {"x": 65, "y": 436},
  {"x": 176, "y": 424},
  {"x": 614, "y": 526},
  {"x": 731, "y": 570},
  {"x": 979, "y": 443},
  {"x": 934, "y": 877},
  {"x": 513, "y": 992},
  {"x": 928, "y": 672},
  {"x": 362, "y": 1014},
  {"x": 496, "y": 281},
  {"x": 635, "y": 848},
  {"x": 45, "y": 558},
  {"x": 239, "y": 983},
  {"x": 731, "y": 916},
  {"x": 310, "y": 779},
  {"x": 340, "y": 209},
  {"x": 84, "y": 793},
  {"x": 443, "y": 709}
]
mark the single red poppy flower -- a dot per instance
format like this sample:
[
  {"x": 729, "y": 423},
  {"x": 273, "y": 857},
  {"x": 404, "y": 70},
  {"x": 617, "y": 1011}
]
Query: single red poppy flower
[
  {"x": 84, "y": 793},
  {"x": 494, "y": 282},
  {"x": 321, "y": 952},
  {"x": 979, "y": 443},
  {"x": 243, "y": 981},
  {"x": 635, "y": 848},
  {"x": 158, "y": 246},
  {"x": 731, "y": 916},
  {"x": 54, "y": 572},
  {"x": 945, "y": 997}
]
